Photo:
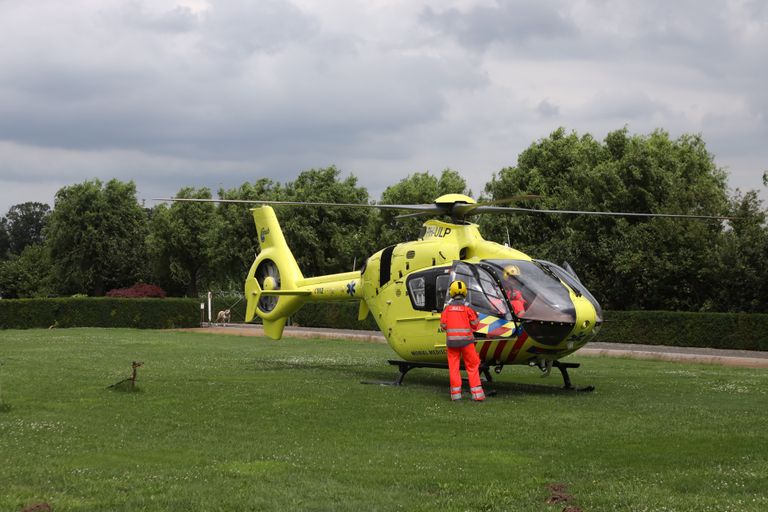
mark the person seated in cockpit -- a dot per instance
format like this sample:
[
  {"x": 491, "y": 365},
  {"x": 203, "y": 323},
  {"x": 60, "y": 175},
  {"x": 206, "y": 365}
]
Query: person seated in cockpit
[
  {"x": 517, "y": 301},
  {"x": 514, "y": 295}
]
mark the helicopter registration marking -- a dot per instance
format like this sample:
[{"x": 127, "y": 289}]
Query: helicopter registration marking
[
  {"x": 436, "y": 232},
  {"x": 431, "y": 352}
]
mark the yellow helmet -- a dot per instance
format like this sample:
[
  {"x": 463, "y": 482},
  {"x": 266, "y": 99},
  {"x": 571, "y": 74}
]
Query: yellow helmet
[
  {"x": 511, "y": 270},
  {"x": 458, "y": 288}
]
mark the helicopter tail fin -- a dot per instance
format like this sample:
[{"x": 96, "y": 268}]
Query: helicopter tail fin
[{"x": 271, "y": 286}]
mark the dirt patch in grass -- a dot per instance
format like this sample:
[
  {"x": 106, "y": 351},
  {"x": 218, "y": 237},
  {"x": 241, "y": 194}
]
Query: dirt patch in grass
[
  {"x": 38, "y": 507},
  {"x": 559, "y": 495}
]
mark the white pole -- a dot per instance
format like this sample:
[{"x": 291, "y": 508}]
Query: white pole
[{"x": 209, "y": 307}]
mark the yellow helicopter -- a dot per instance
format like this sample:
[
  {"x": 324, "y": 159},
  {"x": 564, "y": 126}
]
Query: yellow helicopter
[{"x": 532, "y": 312}]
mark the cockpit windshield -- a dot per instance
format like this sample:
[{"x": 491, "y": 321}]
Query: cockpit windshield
[{"x": 531, "y": 290}]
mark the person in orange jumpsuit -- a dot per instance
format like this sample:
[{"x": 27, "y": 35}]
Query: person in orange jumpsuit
[
  {"x": 459, "y": 321},
  {"x": 517, "y": 301}
]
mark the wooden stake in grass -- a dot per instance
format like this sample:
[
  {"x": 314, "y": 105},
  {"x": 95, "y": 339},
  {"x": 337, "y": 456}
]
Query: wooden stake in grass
[{"x": 128, "y": 384}]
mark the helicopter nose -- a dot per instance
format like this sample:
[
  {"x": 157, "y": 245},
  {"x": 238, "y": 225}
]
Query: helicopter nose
[
  {"x": 570, "y": 331},
  {"x": 587, "y": 322}
]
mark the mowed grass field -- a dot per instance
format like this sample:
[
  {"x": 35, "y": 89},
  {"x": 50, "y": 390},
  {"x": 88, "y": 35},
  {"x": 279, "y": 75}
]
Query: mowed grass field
[{"x": 229, "y": 423}]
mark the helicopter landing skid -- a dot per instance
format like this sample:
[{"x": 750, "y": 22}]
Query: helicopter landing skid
[
  {"x": 563, "y": 367},
  {"x": 406, "y": 366}
]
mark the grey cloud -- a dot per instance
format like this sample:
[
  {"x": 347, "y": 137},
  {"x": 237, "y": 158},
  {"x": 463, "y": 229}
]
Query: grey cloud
[
  {"x": 757, "y": 9},
  {"x": 508, "y": 21},
  {"x": 547, "y": 109},
  {"x": 176, "y": 94},
  {"x": 737, "y": 134},
  {"x": 688, "y": 33},
  {"x": 243, "y": 27},
  {"x": 623, "y": 106},
  {"x": 171, "y": 95},
  {"x": 134, "y": 14},
  {"x": 706, "y": 36}
]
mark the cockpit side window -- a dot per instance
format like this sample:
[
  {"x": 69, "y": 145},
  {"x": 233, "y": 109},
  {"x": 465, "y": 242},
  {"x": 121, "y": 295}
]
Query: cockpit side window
[
  {"x": 427, "y": 289},
  {"x": 492, "y": 293},
  {"x": 416, "y": 289},
  {"x": 484, "y": 293}
]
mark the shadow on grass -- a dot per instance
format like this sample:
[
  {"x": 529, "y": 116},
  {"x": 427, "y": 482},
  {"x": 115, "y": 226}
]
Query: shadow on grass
[
  {"x": 376, "y": 374},
  {"x": 433, "y": 380},
  {"x": 125, "y": 386},
  {"x": 297, "y": 364},
  {"x": 5, "y": 407}
]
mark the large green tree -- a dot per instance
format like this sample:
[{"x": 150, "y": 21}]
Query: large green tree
[
  {"x": 96, "y": 236},
  {"x": 25, "y": 225},
  {"x": 181, "y": 241},
  {"x": 5, "y": 240},
  {"x": 629, "y": 262},
  {"x": 326, "y": 240},
  {"x": 27, "y": 274},
  {"x": 740, "y": 279},
  {"x": 235, "y": 241}
]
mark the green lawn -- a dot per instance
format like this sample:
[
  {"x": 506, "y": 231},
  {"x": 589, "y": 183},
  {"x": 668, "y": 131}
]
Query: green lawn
[{"x": 237, "y": 423}]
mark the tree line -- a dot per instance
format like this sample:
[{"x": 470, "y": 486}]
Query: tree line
[{"x": 98, "y": 237}]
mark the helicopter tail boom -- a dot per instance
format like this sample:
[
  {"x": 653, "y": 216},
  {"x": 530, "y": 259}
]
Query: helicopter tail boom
[
  {"x": 276, "y": 288},
  {"x": 274, "y": 271}
]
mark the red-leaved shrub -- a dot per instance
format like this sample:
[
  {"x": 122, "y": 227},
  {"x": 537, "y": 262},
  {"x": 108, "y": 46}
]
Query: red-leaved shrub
[{"x": 137, "y": 291}]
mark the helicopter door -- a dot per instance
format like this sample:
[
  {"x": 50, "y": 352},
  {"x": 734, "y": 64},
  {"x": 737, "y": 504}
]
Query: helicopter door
[{"x": 484, "y": 294}]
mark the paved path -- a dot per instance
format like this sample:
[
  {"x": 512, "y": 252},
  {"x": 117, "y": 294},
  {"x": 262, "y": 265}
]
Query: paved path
[{"x": 741, "y": 358}]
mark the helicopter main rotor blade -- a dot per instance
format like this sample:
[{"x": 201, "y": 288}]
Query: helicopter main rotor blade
[
  {"x": 457, "y": 210},
  {"x": 412, "y": 207},
  {"x": 512, "y": 209},
  {"x": 428, "y": 213},
  {"x": 460, "y": 210},
  {"x": 519, "y": 197}
]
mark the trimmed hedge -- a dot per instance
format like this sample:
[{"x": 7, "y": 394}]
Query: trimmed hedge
[
  {"x": 676, "y": 328},
  {"x": 336, "y": 315},
  {"x": 99, "y": 312},
  {"x": 712, "y": 330}
]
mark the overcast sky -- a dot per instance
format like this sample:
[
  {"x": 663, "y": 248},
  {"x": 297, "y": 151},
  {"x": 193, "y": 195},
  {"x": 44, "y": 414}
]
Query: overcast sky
[{"x": 173, "y": 93}]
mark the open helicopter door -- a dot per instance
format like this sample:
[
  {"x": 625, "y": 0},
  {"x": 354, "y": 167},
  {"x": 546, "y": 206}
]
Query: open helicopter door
[{"x": 487, "y": 299}]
